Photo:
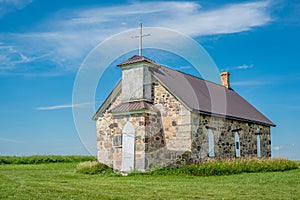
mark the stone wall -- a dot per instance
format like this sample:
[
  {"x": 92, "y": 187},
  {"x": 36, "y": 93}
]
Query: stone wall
[
  {"x": 138, "y": 122},
  {"x": 107, "y": 127},
  {"x": 224, "y": 138},
  {"x": 175, "y": 119},
  {"x": 110, "y": 141},
  {"x": 172, "y": 135},
  {"x": 162, "y": 139},
  {"x": 157, "y": 151},
  {"x": 168, "y": 135}
]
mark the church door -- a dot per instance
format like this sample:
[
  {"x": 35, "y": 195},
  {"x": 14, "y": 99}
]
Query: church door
[{"x": 128, "y": 140}]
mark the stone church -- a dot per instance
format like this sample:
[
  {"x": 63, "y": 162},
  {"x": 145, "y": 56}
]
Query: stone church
[{"x": 157, "y": 116}]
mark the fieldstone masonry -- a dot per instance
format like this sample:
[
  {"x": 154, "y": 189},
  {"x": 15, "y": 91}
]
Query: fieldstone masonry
[
  {"x": 224, "y": 138},
  {"x": 167, "y": 132},
  {"x": 172, "y": 135}
]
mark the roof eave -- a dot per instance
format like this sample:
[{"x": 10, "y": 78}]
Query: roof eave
[
  {"x": 130, "y": 112},
  {"x": 233, "y": 118}
]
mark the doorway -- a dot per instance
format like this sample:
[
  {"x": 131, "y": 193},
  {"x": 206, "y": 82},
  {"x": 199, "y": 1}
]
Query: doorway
[{"x": 128, "y": 145}]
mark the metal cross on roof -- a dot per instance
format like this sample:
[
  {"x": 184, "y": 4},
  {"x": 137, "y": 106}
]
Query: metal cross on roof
[{"x": 140, "y": 36}]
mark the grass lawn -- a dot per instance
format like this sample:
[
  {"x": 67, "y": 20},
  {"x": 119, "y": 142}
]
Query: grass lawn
[{"x": 59, "y": 181}]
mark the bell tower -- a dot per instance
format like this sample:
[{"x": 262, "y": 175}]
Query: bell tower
[{"x": 137, "y": 79}]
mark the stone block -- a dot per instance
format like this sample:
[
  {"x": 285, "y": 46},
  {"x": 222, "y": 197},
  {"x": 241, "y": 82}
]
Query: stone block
[{"x": 140, "y": 147}]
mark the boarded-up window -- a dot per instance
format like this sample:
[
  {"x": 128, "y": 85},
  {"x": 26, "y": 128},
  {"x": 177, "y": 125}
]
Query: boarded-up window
[
  {"x": 258, "y": 146},
  {"x": 237, "y": 145},
  {"x": 211, "y": 144}
]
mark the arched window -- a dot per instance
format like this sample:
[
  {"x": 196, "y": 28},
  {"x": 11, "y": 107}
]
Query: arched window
[
  {"x": 258, "y": 146},
  {"x": 237, "y": 145},
  {"x": 211, "y": 144}
]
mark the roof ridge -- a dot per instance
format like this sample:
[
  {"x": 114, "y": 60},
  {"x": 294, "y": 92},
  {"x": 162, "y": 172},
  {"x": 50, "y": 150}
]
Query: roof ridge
[{"x": 194, "y": 76}]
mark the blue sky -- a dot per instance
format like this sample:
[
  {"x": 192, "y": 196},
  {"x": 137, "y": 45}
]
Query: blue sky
[{"x": 43, "y": 43}]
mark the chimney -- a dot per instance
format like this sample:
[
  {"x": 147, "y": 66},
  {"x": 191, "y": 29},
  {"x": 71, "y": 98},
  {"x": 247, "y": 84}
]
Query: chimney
[{"x": 225, "y": 79}]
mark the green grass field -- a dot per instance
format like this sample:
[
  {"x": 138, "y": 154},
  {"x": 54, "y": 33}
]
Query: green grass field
[{"x": 60, "y": 181}]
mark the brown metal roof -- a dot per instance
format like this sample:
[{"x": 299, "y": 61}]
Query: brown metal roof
[
  {"x": 208, "y": 97},
  {"x": 136, "y": 59},
  {"x": 196, "y": 94},
  {"x": 133, "y": 106}
]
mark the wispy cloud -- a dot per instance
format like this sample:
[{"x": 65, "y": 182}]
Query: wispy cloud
[
  {"x": 184, "y": 67},
  {"x": 229, "y": 19},
  {"x": 186, "y": 17},
  {"x": 65, "y": 38},
  {"x": 289, "y": 151},
  {"x": 63, "y": 106},
  {"x": 239, "y": 67},
  {"x": 10, "y": 140},
  {"x": 245, "y": 66},
  {"x": 250, "y": 83},
  {"x": 55, "y": 107},
  {"x": 10, "y": 57},
  {"x": 270, "y": 79},
  {"x": 276, "y": 148},
  {"x": 7, "y": 6},
  {"x": 296, "y": 107}
]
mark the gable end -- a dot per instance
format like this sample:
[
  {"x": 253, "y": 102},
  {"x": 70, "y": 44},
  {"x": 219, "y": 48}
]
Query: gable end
[{"x": 107, "y": 103}]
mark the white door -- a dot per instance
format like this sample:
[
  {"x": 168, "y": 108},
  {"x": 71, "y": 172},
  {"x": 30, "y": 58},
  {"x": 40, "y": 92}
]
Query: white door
[
  {"x": 128, "y": 140},
  {"x": 237, "y": 145}
]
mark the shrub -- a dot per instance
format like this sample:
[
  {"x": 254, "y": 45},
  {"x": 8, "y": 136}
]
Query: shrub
[
  {"x": 38, "y": 159},
  {"x": 93, "y": 167}
]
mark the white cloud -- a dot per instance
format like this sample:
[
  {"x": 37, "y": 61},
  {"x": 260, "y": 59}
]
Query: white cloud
[
  {"x": 66, "y": 38},
  {"x": 256, "y": 82},
  {"x": 245, "y": 66},
  {"x": 186, "y": 17},
  {"x": 288, "y": 151},
  {"x": 10, "y": 140},
  {"x": 276, "y": 148},
  {"x": 9, "y": 56},
  {"x": 294, "y": 107},
  {"x": 56, "y": 107},
  {"x": 64, "y": 106},
  {"x": 270, "y": 79},
  {"x": 239, "y": 67},
  {"x": 184, "y": 67},
  {"x": 7, "y": 6},
  {"x": 229, "y": 19}
]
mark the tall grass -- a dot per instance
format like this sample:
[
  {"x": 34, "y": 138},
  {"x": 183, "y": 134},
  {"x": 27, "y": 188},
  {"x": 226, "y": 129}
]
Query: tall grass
[
  {"x": 93, "y": 167},
  {"x": 231, "y": 166},
  {"x": 38, "y": 159}
]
